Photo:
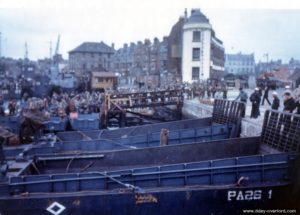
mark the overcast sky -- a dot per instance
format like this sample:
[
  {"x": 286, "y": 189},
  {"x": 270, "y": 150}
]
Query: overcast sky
[{"x": 269, "y": 26}]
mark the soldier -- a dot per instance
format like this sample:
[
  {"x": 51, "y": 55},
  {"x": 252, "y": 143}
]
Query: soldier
[
  {"x": 71, "y": 110},
  {"x": 288, "y": 102},
  {"x": 255, "y": 99},
  {"x": 12, "y": 107},
  {"x": 224, "y": 89},
  {"x": 276, "y": 101},
  {"x": 289, "y": 106},
  {"x": 2, "y": 113},
  {"x": 266, "y": 96},
  {"x": 243, "y": 96},
  {"x": 209, "y": 92},
  {"x": 164, "y": 137},
  {"x": 297, "y": 105},
  {"x": 213, "y": 91}
]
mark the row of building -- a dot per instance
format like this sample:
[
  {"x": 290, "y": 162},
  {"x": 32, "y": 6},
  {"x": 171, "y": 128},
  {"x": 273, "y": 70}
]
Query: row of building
[{"x": 190, "y": 53}]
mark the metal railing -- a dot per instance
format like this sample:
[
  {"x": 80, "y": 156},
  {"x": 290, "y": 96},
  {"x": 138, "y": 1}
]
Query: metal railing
[
  {"x": 281, "y": 131},
  {"x": 225, "y": 172},
  {"x": 225, "y": 111}
]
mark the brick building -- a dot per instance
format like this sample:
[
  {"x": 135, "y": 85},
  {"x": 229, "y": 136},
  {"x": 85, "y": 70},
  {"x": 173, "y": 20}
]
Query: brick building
[
  {"x": 141, "y": 62},
  {"x": 90, "y": 56}
]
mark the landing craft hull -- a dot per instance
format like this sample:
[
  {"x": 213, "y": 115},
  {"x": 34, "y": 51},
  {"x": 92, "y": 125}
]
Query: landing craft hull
[
  {"x": 143, "y": 140},
  {"x": 181, "y": 201}
]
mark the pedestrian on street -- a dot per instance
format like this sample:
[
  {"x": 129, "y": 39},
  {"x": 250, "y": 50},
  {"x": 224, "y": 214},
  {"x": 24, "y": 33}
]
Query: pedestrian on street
[
  {"x": 266, "y": 96},
  {"x": 243, "y": 96},
  {"x": 276, "y": 101},
  {"x": 255, "y": 99}
]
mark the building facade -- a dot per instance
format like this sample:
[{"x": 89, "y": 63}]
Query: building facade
[
  {"x": 202, "y": 51},
  {"x": 175, "y": 50},
  {"x": 240, "y": 63},
  {"x": 90, "y": 56},
  {"x": 141, "y": 62},
  {"x": 103, "y": 81}
]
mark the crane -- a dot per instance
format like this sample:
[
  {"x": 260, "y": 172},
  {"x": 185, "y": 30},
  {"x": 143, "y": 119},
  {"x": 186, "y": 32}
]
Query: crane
[
  {"x": 26, "y": 51},
  {"x": 50, "y": 49},
  {"x": 57, "y": 45}
]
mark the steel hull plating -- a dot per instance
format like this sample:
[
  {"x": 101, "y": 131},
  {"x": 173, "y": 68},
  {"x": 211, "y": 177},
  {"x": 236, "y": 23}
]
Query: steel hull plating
[{"x": 186, "y": 200}]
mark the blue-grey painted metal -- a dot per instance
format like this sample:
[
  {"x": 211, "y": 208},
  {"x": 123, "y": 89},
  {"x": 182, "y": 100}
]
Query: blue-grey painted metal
[
  {"x": 135, "y": 130},
  {"x": 142, "y": 140},
  {"x": 83, "y": 122},
  {"x": 218, "y": 177},
  {"x": 221, "y": 126},
  {"x": 11, "y": 123},
  {"x": 224, "y": 112},
  {"x": 226, "y": 186},
  {"x": 149, "y": 156},
  {"x": 257, "y": 168}
]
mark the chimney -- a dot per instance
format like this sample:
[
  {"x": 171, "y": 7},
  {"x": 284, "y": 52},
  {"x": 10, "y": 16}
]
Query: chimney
[
  {"x": 113, "y": 46},
  {"x": 185, "y": 14}
]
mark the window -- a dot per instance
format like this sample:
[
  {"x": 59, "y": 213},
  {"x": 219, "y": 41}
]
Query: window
[
  {"x": 100, "y": 80},
  {"x": 196, "y": 53},
  {"x": 195, "y": 73},
  {"x": 196, "y": 36}
]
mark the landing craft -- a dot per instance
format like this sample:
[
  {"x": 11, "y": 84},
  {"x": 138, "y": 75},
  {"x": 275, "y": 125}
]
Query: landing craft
[{"x": 215, "y": 177}]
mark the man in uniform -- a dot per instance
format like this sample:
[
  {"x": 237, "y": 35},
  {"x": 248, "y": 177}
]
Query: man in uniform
[
  {"x": 297, "y": 105},
  {"x": 288, "y": 102},
  {"x": 266, "y": 96},
  {"x": 276, "y": 101},
  {"x": 243, "y": 96},
  {"x": 255, "y": 99}
]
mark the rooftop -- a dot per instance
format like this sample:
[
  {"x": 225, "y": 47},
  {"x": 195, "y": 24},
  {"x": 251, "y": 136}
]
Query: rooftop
[
  {"x": 93, "y": 47},
  {"x": 240, "y": 56},
  {"x": 104, "y": 74},
  {"x": 295, "y": 75},
  {"x": 197, "y": 17}
]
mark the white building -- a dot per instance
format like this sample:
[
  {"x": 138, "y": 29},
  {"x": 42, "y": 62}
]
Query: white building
[
  {"x": 240, "y": 63},
  {"x": 202, "y": 52}
]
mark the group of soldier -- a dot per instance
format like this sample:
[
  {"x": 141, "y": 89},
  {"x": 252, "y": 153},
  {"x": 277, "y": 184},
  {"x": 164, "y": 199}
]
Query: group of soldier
[
  {"x": 258, "y": 98},
  {"x": 56, "y": 104},
  {"x": 208, "y": 91}
]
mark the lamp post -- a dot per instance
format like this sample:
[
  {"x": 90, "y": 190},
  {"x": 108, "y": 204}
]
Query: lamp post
[{"x": 266, "y": 55}]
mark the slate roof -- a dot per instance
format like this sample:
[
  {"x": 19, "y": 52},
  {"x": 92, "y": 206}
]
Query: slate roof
[
  {"x": 93, "y": 47},
  {"x": 197, "y": 17},
  {"x": 295, "y": 75},
  {"x": 240, "y": 57}
]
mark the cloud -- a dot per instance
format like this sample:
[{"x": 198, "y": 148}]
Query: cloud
[{"x": 117, "y": 21}]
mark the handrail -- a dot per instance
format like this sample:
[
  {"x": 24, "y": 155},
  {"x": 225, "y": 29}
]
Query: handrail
[{"x": 235, "y": 167}]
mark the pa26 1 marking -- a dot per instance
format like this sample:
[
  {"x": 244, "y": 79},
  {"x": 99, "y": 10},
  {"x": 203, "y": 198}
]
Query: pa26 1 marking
[{"x": 247, "y": 195}]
